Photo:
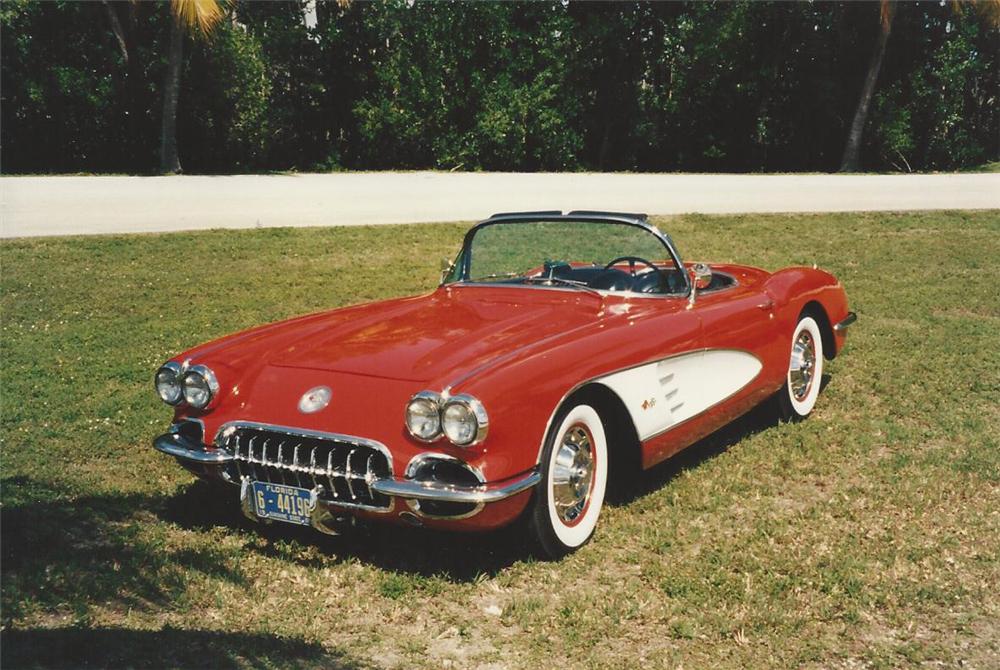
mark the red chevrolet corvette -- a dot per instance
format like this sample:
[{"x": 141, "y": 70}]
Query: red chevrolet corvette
[{"x": 558, "y": 351}]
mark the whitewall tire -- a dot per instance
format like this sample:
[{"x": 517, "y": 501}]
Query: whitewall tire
[
  {"x": 569, "y": 498},
  {"x": 805, "y": 371}
]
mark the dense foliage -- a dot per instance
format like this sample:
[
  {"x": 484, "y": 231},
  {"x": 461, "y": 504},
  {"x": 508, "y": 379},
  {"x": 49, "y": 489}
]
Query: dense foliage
[{"x": 741, "y": 86}]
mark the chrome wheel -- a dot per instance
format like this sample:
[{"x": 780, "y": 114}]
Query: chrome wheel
[
  {"x": 805, "y": 370},
  {"x": 573, "y": 474},
  {"x": 567, "y": 502},
  {"x": 802, "y": 365}
]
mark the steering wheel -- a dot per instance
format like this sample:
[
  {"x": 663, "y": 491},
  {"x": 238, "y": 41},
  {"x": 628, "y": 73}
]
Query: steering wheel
[{"x": 632, "y": 260}]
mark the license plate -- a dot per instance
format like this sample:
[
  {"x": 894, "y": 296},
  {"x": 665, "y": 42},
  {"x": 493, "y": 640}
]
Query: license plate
[{"x": 280, "y": 502}]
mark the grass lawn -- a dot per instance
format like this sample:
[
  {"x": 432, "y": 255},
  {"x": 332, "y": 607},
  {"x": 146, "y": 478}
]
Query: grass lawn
[{"x": 867, "y": 536}]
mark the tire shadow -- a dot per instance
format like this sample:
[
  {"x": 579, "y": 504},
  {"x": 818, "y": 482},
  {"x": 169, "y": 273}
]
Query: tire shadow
[{"x": 458, "y": 557}]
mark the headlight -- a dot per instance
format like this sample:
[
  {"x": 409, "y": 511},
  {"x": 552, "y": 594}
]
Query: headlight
[
  {"x": 200, "y": 386},
  {"x": 464, "y": 420},
  {"x": 423, "y": 416},
  {"x": 168, "y": 383}
]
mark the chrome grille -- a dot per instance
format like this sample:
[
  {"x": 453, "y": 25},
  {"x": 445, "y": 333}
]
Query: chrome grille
[{"x": 341, "y": 467}]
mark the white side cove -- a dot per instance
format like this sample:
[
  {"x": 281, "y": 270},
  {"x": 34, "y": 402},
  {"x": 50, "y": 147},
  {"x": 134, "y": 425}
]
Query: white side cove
[{"x": 663, "y": 394}]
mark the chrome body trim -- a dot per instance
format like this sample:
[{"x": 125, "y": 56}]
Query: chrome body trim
[
  {"x": 420, "y": 459},
  {"x": 590, "y": 291},
  {"x": 847, "y": 321},
  {"x": 459, "y": 494},
  {"x": 684, "y": 295},
  {"x": 230, "y": 426}
]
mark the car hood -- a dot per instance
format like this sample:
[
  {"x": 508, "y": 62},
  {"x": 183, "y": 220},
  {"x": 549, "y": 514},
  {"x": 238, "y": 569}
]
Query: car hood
[{"x": 445, "y": 334}]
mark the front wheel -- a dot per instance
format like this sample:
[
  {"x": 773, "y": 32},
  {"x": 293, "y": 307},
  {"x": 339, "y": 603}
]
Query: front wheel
[
  {"x": 798, "y": 396},
  {"x": 569, "y": 498}
]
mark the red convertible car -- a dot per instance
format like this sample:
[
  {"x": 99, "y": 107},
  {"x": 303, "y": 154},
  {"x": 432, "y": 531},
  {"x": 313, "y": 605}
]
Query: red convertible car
[{"x": 560, "y": 353}]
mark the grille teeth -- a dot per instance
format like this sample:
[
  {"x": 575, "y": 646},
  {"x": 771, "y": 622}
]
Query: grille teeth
[{"x": 342, "y": 471}]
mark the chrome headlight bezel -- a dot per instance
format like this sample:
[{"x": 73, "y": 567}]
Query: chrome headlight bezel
[
  {"x": 472, "y": 409},
  {"x": 427, "y": 399},
  {"x": 202, "y": 374},
  {"x": 175, "y": 370}
]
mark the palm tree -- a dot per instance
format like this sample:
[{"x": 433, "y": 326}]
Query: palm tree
[
  {"x": 852, "y": 151},
  {"x": 990, "y": 9},
  {"x": 188, "y": 16}
]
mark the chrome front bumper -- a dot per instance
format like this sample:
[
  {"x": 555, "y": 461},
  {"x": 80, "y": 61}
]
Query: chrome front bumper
[
  {"x": 183, "y": 449},
  {"x": 191, "y": 453}
]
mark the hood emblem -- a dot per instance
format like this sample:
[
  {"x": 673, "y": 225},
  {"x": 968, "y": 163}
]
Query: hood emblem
[{"x": 315, "y": 399}]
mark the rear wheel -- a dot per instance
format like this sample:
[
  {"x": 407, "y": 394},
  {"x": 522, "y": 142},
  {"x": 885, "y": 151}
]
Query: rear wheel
[
  {"x": 798, "y": 396},
  {"x": 569, "y": 498}
]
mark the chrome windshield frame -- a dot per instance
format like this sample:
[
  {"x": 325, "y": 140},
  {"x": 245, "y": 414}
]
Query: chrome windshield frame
[{"x": 464, "y": 258}]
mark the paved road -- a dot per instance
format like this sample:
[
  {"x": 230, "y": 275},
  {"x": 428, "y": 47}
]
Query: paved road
[{"x": 31, "y": 206}]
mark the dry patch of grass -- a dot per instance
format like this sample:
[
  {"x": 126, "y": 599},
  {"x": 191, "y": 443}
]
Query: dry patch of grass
[{"x": 864, "y": 537}]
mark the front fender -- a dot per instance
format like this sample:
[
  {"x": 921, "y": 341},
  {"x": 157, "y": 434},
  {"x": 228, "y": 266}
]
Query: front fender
[{"x": 797, "y": 288}]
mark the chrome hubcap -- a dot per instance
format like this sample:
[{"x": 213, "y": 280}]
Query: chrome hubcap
[
  {"x": 802, "y": 366},
  {"x": 573, "y": 474}
]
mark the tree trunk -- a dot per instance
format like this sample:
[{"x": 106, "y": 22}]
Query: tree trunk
[
  {"x": 131, "y": 88},
  {"x": 852, "y": 151},
  {"x": 169, "y": 162},
  {"x": 138, "y": 158}
]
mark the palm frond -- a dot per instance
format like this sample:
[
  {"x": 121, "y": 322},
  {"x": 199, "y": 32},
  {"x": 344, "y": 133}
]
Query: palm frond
[
  {"x": 201, "y": 15},
  {"x": 988, "y": 9}
]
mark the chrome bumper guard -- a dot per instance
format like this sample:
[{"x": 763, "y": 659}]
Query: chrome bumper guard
[
  {"x": 848, "y": 320},
  {"x": 183, "y": 449}
]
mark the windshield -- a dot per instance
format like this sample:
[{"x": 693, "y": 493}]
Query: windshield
[{"x": 600, "y": 255}]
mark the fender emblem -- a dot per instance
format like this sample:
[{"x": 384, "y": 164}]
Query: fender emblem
[
  {"x": 315, "y": 399},
  {"x": 646, "y": 404}
]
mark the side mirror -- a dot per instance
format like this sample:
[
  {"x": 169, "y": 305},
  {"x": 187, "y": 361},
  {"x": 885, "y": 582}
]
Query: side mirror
[
  {"x": 700, "y": 276},
  {"x": 446, "y": 267}
]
